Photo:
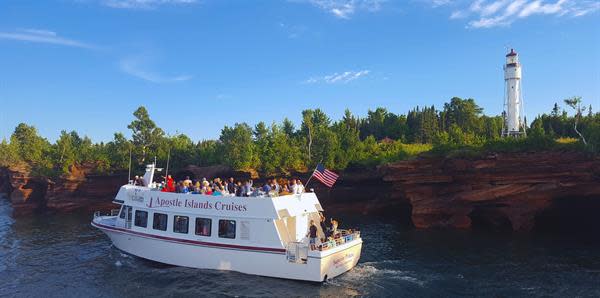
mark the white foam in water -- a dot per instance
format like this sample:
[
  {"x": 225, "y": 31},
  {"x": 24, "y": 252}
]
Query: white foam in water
[
  {"x": 370, "y": 271},
  {"x": 125, "y": 255},
  {"x": 118, "y": 263}
]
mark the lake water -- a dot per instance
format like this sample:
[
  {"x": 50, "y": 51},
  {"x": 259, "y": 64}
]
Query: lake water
[{"x": 62, "y": 255}]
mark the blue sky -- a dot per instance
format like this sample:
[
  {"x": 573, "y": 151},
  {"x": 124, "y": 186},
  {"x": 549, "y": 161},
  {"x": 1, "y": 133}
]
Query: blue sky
[{"x": 86, "y": 65}]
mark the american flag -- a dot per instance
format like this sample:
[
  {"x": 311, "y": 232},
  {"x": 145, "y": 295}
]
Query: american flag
[{"x": 324, "y": 175}]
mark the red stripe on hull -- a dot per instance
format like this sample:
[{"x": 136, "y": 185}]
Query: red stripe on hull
[{"x": 193, "y": 242}]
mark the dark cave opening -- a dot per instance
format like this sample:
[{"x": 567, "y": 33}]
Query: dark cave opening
[
  {"x": 490, "y": 217},
  {"x": 570, "y": 215}
]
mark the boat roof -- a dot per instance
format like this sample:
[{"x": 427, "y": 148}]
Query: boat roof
[{"x": 219, "y": 206}]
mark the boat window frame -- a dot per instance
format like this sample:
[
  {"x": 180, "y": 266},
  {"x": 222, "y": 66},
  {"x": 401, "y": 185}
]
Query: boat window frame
[
  {"x": 145, "y": 221},
  {"x": 125, "y": 208},
  {"x": 209, "y": 226},
  {"x": 187, "y": 226},
  {"x": 154, "y": 221},
  {"x": 223, "y": 235}
]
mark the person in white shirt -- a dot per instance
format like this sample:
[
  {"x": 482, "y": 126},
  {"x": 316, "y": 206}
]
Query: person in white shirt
[{"x": 299, "y": 187}]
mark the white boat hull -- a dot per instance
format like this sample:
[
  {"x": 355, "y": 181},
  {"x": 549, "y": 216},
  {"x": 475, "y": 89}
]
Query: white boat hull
[{"x": 262, "y": 261}]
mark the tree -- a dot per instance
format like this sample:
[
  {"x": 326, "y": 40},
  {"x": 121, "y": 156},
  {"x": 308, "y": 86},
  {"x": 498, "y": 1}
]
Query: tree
[
  {"x": 463, "y": 112},
  {"x": 146, "y": 134},
  {"x": 9, "y": 154},
  {"x": 575, "y": 103},
  {"x": 239, "y": 150},
  {"x": 29, "y": 144}
]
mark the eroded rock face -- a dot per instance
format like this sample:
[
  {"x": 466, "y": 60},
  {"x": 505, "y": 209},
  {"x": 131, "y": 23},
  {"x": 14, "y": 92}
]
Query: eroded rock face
[
  {"x": 82, "y": 189},
  {"x": 26, "y": 191},
  {"x": 79, "y": 190},
  {"x": 500, "y": 188}
]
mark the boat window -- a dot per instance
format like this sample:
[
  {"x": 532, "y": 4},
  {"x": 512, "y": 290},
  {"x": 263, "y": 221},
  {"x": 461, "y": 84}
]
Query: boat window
[
  {"x": 203, "y": 226},
  {"x": 160, "y": 222},
  {"x": 125, "y": 210},
  {"x": 227, "y": 228},
  {"x": 141, "y": 218},
  {"x": 180, "y": 224}
]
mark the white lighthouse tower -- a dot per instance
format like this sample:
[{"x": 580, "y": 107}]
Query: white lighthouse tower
[{"x": 513, "y": 100}]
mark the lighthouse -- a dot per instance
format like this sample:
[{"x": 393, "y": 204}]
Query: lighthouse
[{"x": 513, "y": 100}]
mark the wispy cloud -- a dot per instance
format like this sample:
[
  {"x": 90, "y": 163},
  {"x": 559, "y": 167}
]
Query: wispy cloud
[
  {"x": 138, "y": 67},
  {"x": 293, "y": 31},
  {"x": 344, "y": 9},
  {"x": 144, "y": 4},
  {"x": 343, "y": 77},
  {"x": 43, "y": 36},
  {"x": 495, "y": 13}
]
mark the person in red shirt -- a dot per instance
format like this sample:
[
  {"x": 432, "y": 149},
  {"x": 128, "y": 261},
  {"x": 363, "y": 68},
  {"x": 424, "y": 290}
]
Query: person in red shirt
[{"x": 170, "y": 187}]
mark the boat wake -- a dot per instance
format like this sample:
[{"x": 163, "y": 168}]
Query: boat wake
[{"x": 376, "y": 271}]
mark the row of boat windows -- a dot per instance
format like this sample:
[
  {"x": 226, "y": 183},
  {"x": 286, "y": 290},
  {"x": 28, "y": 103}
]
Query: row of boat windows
[{"x": 181, "y": 223}]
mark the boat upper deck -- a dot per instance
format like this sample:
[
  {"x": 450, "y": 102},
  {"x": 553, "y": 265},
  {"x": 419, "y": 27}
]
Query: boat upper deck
[{"x": 240, "y": 207}]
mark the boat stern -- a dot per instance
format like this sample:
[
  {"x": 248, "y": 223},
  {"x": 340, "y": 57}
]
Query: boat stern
[{"x": 344, "y": 258}]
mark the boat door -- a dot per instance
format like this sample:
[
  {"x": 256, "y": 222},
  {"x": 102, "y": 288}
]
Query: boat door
[
  {"x": 297, "y": 252},
  {"x": 125, "y": 216}
]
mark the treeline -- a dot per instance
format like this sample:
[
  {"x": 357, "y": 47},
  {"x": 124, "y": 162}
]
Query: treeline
[{"x": 380, "y": 137}]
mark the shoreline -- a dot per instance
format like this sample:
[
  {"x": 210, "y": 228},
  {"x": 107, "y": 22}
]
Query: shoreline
[{"x": 521, "y": 192}]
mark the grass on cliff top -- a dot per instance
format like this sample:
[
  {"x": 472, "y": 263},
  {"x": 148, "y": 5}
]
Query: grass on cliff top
[{"x": 508, "y": 145}]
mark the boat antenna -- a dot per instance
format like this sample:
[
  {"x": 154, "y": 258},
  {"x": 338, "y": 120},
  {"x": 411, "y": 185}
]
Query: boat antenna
[
  {"x": 129, "y": 174},
  {"x": 167, "y": 170}
]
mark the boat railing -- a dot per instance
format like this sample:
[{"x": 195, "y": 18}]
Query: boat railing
[
  {"x": 113, "y": 212},
  {"x": 339, "y": 238}
]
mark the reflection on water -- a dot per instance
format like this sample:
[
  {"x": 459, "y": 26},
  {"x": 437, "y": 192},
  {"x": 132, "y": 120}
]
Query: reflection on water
[{"x": 53, "y": 255}]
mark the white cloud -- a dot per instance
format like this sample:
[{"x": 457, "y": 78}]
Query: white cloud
[
  {"x": 143, "y": 4},
  {"x": 344, "y": 9},
  {"x": 494, "y": 13},
  {"x": 43, "y": 36},
  {"x": 136, "y": 66},
  {"x": 343, "y": 77}
]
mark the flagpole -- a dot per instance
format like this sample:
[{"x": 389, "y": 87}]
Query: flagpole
[{"x": 312, "y": 174}]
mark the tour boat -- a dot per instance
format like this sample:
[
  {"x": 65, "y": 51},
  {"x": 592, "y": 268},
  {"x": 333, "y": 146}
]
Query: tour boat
[{"x": 262, "y": 235}]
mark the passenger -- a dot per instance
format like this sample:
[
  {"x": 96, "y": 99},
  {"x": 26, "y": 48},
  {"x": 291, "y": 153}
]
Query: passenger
[
  {"x": 293, "y": 186},
  {"x": 312, "y": 235},
  {"x": 197, "y": 187},
  {"x": 299, "y": 187},
  {"x": 170, "y": 187},
  {"x": 266, "y": 188},
  {"x": 209, "y": 191},
  {"x": 217, "y": 192},
  {"x": 324, "y": 227},
  {"x": 248, "y": 188},
  {"x": 285, "y": 191},
  {"x": 239, "y": 189},
  {"x": 275, "y": 186},
  {"x": 334, "y": 226},
  {"x": 187, "y": 182},
  {"x": 231, "y": 186}
]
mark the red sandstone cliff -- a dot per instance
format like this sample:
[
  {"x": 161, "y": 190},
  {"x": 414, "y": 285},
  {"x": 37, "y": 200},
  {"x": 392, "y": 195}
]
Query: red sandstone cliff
[
  {"x": 499, "y": 189},
  {"x": 80, "y": 189},
  {"x": 515, "y": 187}
]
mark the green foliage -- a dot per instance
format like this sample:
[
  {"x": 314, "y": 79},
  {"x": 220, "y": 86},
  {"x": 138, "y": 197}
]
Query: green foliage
[
  {"x": 146, "y": 135},
  {"x": 381, "y": 137},
  {"x": 239, "y": 150}
]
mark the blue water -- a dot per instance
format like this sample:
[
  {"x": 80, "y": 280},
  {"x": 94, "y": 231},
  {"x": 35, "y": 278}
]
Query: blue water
[{"x": 62, "y": 255}]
